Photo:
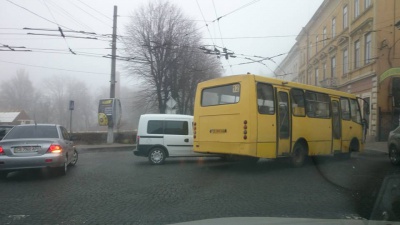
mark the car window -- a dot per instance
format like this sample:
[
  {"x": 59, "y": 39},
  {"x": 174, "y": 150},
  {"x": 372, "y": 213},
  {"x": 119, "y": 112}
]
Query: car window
[
  {"x": 65, "y": 133},
  {"x": 32, "y": 132}
]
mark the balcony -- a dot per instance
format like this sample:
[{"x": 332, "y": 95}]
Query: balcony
[{"x": 331, "y": 82}]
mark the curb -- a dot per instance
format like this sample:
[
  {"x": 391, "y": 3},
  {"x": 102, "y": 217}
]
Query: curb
[
  {"x": 374, "y": 152},
  {"x": 105, "y": 148}
]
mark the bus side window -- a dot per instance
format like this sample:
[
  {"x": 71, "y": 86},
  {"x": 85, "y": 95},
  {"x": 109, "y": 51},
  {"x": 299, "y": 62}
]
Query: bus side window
[
  {"x": 265, "y": 99},
  {"x": 345, "y": 108},
  {"x": 355, "y": 111},
  {"x": 318, "y": 105},
  {"x": 298, "y": 107}
]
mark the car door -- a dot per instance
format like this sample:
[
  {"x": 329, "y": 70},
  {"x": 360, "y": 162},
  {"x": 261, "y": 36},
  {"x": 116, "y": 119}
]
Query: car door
[
  {"x": 68, "y": 143},
  {"x": 177, "y": 137}
]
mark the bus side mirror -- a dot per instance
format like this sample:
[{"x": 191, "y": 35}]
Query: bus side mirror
[
  {"x": 365, "y": 124},
  {"x": 366, "y": 109}
]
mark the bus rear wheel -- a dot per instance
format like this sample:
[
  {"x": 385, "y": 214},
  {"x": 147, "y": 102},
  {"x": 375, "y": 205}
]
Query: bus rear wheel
[{"x": 299, "y": 155}]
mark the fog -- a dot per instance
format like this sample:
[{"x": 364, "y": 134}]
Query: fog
[{"x": 248, "y": 28}]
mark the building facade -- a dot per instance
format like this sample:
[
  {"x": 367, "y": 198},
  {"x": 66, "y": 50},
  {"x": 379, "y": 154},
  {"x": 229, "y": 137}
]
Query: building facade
[
  {"x": 288, "y": 69},
  {"x": 354, "y": 46}
]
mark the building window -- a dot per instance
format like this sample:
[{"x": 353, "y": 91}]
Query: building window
[
  {"x": 333, "y": 27},
  {"x": 324, "y": 37},
  {"x": 316, "y": 77},
  {"x": 367, "y": 3},
  {"x": 333, "y": 67},
  {"x": 357, "y": 54},
  {"x": 345, "y": 18},
  {"x": 356, "y": 8},
  {"x": 324, "y": 71},
  {"x": 345, "y": 61},
  {"x": 316, "y": 45},
  {"x": 367, "y": 56}
]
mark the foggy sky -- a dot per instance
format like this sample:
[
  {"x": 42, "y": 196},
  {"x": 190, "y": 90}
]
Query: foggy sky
[{"x": 277, "y": 21}]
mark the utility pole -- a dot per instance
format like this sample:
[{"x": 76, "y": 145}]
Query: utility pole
[{"x": 110, "y": 134}]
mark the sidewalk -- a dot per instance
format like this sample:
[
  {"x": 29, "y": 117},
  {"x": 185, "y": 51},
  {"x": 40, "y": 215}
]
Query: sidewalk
[
  {"x": 376, "y": 146},
  {"x": 115, "y": 146}
]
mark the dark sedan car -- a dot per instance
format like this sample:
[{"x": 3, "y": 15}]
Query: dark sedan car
[
  {"x": 37, "y": 146},
  {"x": 394, "y": 146}
]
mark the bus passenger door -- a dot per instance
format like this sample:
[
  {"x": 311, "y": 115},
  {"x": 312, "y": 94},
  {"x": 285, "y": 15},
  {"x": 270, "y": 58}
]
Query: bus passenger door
[
  {"x": 283, "y": 120},
  {"x": 336, "y": 127}
]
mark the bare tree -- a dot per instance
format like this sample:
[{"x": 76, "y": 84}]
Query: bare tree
[
  {"x": 18, "y": 93},
  {"x": 165, "y": 44},
  {"x": 59, "y": 91}
]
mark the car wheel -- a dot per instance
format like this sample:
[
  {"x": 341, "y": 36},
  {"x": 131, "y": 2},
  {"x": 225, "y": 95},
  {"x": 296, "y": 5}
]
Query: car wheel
[
  {"x": 299, "y": 155},
  {"x": 157, "y": 156},
  {"x": 74, "y": 158},
  {"x": 62, "y": 170},
  {"x": 394, "y": 155}
]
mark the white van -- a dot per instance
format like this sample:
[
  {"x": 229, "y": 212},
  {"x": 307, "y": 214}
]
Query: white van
[{"x": 164, "y": 135}]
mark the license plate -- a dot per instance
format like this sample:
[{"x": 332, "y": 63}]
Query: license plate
[{"x": 26, "y": 149}]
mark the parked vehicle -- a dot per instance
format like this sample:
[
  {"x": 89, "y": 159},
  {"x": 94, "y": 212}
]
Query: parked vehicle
[
  {"x": 4, "y": 129},
  {"x": 394, "y": 146},
  {"x": 165, "y": 135},
  {"x": 37, "y": 146}
]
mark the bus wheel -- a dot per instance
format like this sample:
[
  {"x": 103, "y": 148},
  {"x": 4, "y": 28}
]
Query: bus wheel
[
  {"x": 354, "y": 147},
  {"x": 157, "y": 156},
  {"x": 299, "y": 155}
]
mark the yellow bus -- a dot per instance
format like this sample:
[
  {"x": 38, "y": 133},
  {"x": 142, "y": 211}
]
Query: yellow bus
[{"x": 261, "y": 117}]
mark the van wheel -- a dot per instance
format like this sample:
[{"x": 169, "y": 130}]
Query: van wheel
[
  {"x": 157, "y": 156},
  {"x": 299, "y": 155}
]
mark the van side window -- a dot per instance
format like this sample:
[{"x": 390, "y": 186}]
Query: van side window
[
  {"x": 168, "y": 127},
  {"x": 176, "y": 127},
  {"x": 155, "y": 127}
]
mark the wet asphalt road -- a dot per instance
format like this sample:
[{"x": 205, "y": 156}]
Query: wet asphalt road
[{"x": 115, "y": 187}]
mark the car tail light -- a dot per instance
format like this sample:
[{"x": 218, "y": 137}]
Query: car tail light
[
  {"x": 54, "y": 148},
  {"x": 137, "y": 139},
  {"x": 2, "y": 151}
]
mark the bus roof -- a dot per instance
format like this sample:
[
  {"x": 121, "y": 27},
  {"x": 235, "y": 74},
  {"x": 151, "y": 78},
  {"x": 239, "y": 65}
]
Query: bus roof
[{"x": 270, "y": 80}]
